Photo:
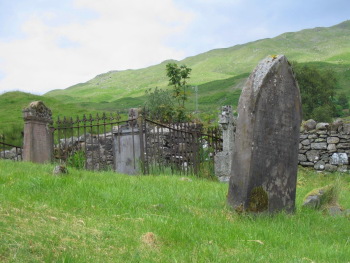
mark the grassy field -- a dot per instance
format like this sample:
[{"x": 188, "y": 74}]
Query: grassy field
[{"x": 108, "y": 217}]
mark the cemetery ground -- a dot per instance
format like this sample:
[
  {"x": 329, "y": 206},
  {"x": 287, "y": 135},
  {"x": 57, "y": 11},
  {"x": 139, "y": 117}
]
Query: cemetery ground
[{"x": 107, "y": 217}]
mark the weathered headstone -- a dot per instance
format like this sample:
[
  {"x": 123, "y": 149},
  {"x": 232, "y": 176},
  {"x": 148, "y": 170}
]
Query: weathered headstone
[
  {"x": 128, "y": 145},
  {"x": 265, "y": 157},
  {"x": 38, "y": 137}
]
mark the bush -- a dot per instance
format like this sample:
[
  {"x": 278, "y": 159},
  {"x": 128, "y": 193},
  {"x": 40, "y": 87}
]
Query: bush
[
  {"x": 317, "y": 89},
  {"x": 322, "y": 113},
  {"x": 160, "y": 105},
  {"x": 77, "y": 160}
]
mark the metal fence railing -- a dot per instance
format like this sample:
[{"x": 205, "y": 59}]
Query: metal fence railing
[
  {"x": 85, "y": 142},
  {"x": 178, "y": 147},
  {"x": 9, "y": 151},
  {"x": 88, "y": 143}
]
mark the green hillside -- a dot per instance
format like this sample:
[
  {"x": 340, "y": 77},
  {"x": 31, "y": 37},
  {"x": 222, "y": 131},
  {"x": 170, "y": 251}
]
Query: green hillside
[
  {"x": 329, "y": 46},
  {"x": 12, "y": 104},
  {"x": 219, "y": 75}
]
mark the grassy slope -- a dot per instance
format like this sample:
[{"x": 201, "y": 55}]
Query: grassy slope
[
  {"x": 319, "y": 44},
  {"x": 12, "y": 104},
  {"x": 103, "y": 217},
  {"x": 219, "y": 75}
]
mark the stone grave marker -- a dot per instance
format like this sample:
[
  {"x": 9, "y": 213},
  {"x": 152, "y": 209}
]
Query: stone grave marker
[
  {"x": 127, "y": 145},
  {"x": 265, "y": 156}
]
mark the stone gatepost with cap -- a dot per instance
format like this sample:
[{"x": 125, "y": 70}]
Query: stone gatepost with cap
[
  {"x": 223, "y": 160},
  {"x": 38, "y": 136}
]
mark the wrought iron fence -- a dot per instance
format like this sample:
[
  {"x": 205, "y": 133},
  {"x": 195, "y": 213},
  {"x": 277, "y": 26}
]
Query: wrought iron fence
[
  {"x": 179, "y": 147},
  {"x": 86, "y": 142},
  {"x": 9, "y": 151},
  {"x": 89, "y": 143}
]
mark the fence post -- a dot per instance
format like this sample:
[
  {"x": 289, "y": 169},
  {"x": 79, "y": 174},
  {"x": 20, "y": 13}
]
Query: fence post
[
  {"x": 223, "y": 160},
  {"x": 38, "y": 137}
]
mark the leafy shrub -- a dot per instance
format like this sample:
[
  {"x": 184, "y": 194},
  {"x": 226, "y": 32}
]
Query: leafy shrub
[
  {"x": 77, "y": 160},
  {"x": 322, "y": 113},
  {"x": 317, "y": 88}
]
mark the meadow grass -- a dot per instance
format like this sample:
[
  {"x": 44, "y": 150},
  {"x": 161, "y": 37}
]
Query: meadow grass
[{"x": 109, "y": 217}]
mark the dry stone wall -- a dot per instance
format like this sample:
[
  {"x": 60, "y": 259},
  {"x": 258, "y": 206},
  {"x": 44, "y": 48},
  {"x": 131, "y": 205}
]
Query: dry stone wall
[
  {"x": 324, "y": 146},
  {"x": 98, "y": 150},
  {"x": 14, "y": 154}
]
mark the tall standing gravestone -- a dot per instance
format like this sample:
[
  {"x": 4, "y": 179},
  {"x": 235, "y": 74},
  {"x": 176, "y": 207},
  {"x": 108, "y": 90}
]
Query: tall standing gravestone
[{"x": 265, "y": 156}]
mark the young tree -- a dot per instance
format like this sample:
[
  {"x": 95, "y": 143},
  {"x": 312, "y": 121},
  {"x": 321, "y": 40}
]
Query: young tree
[
  {"x": 167, "y": 106},
  {"x": 178, "y": 77}
]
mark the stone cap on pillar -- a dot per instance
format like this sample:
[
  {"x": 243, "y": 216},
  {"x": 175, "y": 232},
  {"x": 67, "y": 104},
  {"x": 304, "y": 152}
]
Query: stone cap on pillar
[
  {"x": 133, "y": 115},
  {"x": 226, "y": 117},
  {"x": 37, "y": 111}
]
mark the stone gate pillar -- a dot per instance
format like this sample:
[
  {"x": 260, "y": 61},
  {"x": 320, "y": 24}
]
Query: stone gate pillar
[
  {"x": 38, "y": 137},
  {"x": 223, "y": 160}
]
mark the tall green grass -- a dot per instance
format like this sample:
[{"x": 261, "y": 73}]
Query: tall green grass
[{"x": 109, "y": 217}]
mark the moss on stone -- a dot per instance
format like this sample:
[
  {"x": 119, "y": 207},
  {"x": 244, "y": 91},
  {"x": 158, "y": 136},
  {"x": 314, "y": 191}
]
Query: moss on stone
[
  {"x": 259, "y": 200},
  {"x": 328, "y": 195}
]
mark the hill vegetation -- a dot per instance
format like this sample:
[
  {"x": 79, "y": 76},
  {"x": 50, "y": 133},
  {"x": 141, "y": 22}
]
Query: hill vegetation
[
  {"x": 218, "y": 74},
  {"x": 328, "y": 45}
]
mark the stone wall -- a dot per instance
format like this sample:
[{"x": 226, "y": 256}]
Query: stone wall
[
  {"x": 98, "y": 150},
  {"x": 325, "y": 146},
  {"x": 14, "y": 154}
]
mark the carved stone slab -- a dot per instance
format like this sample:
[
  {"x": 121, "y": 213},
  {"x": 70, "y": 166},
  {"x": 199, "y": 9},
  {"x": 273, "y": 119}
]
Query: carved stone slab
[{"x": 265, "y": 155}]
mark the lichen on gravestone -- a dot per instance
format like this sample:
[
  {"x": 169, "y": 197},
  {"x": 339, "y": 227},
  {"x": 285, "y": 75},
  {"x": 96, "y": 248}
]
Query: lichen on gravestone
[
  {"x": 265, "y": 154},
  {"x": 37, "y": 111}
]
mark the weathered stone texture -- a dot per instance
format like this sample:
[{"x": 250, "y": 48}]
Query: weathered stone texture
[
  {"x": 267, "y": 138},
  {"x": 223, "y": 160},
  {"x": 330, "y": 144},
  {"x": 322, "y": 126},
  {"x": 318, "y": 146},
  {"x": 309, "y": 125},
  {"x": 38, "y": 138},
  {"x": 332, "y": 140}
]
